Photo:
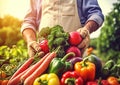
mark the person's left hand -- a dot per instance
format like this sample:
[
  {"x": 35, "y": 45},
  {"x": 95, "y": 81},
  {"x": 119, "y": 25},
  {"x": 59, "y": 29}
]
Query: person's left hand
[{"x": 86, "y": 39}]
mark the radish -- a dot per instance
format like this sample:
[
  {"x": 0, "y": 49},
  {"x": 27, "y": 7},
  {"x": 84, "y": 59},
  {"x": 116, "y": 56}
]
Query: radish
[
  {"x": 74, "y": 49},
  {"x": 44, "y": 46},
  {"x": 75, "y": 38}
]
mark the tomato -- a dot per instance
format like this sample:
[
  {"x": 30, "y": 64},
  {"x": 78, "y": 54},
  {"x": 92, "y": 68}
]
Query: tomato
[
  {"x": 44, "y": 46},
  {"x": 75, "y": 38},
  {"x": 112, "y": 80},
  {"x": 0, "y": 82},
  {"x": 4, "y": 82},
  {"x": 2, "y": 74}
]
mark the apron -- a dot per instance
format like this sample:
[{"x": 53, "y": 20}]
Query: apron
[{"x": 60, "y": 12}]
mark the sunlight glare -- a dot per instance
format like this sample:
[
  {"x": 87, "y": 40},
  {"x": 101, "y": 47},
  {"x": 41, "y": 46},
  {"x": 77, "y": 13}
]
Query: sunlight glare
[{"x": 16, "y": 8}]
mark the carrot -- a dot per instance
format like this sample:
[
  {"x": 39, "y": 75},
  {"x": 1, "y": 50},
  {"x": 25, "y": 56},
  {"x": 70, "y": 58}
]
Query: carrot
[
  {"x": 40, "y": 69},
  {"x": 23, "y": 67},
  {"x": 16, "y": 79},
  {"x": 28, "y": 73}
]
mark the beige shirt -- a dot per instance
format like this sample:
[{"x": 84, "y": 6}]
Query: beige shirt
[{"x": 60, "y": 12}]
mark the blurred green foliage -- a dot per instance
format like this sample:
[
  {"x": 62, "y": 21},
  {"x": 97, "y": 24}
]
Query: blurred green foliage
[
  {"x": 12, "y": 57},
  {"x": 108, "y": 43},
  {"x": 13, "y": 49}
]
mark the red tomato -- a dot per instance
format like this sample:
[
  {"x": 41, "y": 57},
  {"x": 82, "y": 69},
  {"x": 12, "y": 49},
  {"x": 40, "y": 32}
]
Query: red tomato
[
  {"x": 75, "y": 38},
  {"x": 4, "y": 82},
  {"x": 113, "y": 80},
  {"x": 44, "y": 46},
  {"x": 0, "y": 82},
  {"x": 2, "y": 74}
]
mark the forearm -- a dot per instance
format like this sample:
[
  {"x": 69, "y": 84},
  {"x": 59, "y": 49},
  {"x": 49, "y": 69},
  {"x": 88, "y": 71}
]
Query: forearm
[
  {"x": 91, "y": 26},
  {"x": 88, "y": 28},
  {"x": 29, "y": 35}
]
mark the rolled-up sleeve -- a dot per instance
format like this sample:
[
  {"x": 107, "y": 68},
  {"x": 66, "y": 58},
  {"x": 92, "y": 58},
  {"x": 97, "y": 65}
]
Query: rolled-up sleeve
[
  {"x": 90, "y": 10},
  {"x": 31, "y": 17}
]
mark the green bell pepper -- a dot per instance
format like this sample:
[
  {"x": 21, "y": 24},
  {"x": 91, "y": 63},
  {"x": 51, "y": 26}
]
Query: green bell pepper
[
  {"x": 106, "y": 69},
  {"x": 115, "y": 70},
  {"x": 60, "y": 65},
  {"x": 111, "y": 69}
]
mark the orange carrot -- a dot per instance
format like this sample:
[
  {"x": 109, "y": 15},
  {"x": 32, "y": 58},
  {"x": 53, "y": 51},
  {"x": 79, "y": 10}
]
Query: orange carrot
[
  {"x": 23, "y": 67},
  {"x": 16, "y": 80},
  {"x": 28, "y": 73},
  {"x": 40, "y": 69}
]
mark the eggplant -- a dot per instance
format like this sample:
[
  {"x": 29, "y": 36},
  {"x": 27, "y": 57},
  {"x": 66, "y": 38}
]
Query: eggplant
[{"x": 75, "y": 59}]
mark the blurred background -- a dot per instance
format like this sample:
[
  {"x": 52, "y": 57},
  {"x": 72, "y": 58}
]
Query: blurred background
[{"x": 105, "y": 42}]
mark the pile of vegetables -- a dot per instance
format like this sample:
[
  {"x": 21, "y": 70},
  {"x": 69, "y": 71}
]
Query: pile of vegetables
[
  {"x": 57, "y": 39},
  {"x": 63, "y": 64},
  {"x": 11, "y": 58},
  {"x": 3, "y": 76}
]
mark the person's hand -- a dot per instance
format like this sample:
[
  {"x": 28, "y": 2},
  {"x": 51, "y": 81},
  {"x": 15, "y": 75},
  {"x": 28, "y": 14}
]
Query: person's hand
[
  {"x": 33, "y": 48},
  {"x": 86, "y": 39}
]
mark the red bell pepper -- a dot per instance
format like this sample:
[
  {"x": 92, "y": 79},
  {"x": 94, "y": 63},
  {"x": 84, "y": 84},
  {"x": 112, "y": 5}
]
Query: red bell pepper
[
  {"x": 98, "y": 82},
  {"x": 105, "y": 82},
  {"x": 71, "y": 78},
  {"x": 92, "y": 83}
]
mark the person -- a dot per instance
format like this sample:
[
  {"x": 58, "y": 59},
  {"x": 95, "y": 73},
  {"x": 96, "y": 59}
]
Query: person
[{"x": 84, "y": 16}]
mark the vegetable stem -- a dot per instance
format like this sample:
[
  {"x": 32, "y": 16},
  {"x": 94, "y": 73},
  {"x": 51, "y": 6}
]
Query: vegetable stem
[{"x": 68, "y": 55}]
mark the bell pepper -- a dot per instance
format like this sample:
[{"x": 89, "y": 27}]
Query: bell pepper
[
  {"x": 71, "y": 78},
  {"x": 115, "y": 70},
  {"x": 106, "y": 68},
  {"x": 92, "y": 83},
  {"x": 60, "y": 65},
  {"x": 109, "y": 68},
  {"x": 118, "y": 71},
  {"x": 47, "y": 79},
  {"x": 86, "y": 70},
  {"x": 98, "y": 81},
  {"x": 102, "y": 82},
  {"x": 98, "y": 64}
]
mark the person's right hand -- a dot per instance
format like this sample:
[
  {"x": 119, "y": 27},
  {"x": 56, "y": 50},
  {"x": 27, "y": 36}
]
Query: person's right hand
[{"x": 33, "y": 48}]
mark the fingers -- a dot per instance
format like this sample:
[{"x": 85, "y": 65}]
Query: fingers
[
  {"x": 83, "y": 46},
  {"x": 84, "y": 43},
  {"x": 41, "y": 54},
  {"x": 86, "y": 39},
  {"x": 33, "y": 48},
  {"x": 83, "y": 32},
  {"x": 31, "y": 52},
  {"x": 83, "y": 51}
]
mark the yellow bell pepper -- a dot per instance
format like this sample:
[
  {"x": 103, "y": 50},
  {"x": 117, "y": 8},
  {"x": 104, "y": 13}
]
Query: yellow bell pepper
[{"x": 47, "y": 79}]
